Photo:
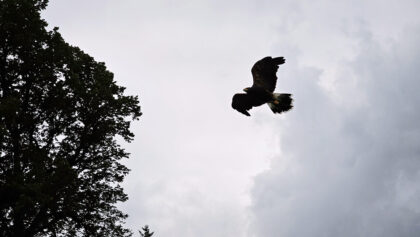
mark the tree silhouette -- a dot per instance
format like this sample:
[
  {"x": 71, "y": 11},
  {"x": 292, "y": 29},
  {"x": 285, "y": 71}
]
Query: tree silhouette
[
  {"x": 146, "y": 232},
  {"x": 60, "y": 112}
]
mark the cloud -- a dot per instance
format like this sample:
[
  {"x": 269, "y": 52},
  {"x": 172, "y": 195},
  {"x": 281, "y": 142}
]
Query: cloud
[{"x": 350, "y": 160}]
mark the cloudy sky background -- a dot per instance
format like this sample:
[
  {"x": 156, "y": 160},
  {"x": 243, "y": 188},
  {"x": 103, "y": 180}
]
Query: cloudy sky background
[{"x": 344, "y": 162}]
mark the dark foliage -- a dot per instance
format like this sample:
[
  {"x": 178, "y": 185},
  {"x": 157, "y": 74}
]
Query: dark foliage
[
  {"x": 146, "y": 232},
  {"x": 60, "y": 112}
]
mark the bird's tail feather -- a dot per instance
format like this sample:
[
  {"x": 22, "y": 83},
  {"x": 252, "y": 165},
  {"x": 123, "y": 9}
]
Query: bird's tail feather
[{"x": 284, "y": 103}]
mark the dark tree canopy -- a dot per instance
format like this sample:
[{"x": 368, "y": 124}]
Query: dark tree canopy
[
  {"x": 146, "y": 232},
  {"x": 60, "y": 113}
]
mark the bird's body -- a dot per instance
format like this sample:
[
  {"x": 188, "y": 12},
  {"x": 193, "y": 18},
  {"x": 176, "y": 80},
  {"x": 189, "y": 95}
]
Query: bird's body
[{"x": 262, "y": 90}]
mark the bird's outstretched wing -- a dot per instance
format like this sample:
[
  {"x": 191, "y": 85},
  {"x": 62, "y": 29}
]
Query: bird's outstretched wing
[
  {"x": 264, "y": 72},
  {"x": 244, "y": 102}
]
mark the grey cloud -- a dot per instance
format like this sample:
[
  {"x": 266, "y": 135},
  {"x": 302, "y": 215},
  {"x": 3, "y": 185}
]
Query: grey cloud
[{"x": 346, "y": 168}]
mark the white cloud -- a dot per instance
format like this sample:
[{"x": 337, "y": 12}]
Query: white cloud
[
  {"x": 349, "y": 167},
  {"x": 193, "y": 157}
]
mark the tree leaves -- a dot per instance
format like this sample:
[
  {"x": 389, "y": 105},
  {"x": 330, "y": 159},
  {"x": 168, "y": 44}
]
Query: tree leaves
[{"x": 60, "y": 111}]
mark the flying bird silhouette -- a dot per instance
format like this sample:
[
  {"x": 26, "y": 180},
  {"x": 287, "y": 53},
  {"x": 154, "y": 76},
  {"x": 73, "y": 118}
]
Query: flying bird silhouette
[{"x": 262, "y": 90}]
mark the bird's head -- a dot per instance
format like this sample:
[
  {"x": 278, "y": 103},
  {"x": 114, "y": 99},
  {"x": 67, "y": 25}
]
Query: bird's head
[{"x": 247, "y": 89}]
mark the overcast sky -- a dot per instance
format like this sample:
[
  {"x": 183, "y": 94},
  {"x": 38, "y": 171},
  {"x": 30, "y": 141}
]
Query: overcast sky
[{"x": 344, "y": 162}]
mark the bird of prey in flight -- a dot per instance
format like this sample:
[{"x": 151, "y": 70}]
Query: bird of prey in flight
[{"x": 262, "y": 91}]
